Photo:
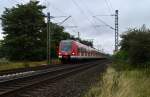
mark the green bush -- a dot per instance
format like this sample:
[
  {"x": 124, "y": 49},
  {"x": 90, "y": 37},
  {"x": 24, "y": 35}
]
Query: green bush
[
  {"x": 3, "y": 61},
  {"x": 121, "y": 56},
  {"x": 135, "y": 47}
]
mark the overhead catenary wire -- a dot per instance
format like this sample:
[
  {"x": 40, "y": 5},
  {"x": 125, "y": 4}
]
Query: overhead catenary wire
[
  {"x": 90, "y": 12},
  {"x": 110, "y": 4},
  {"x": 75, "y": 24},
  {"x": 50, "y": 4},
  {"x": 105, "y": 15},
  {"x": 104, "y": 23},
  {"x": 55, "y": 8},
  {"x": 82, "y": 11},
  {"x": 65, "y": 15},
  {"x": 64, "y": 20},
  {"x": 109, "y": 8}
]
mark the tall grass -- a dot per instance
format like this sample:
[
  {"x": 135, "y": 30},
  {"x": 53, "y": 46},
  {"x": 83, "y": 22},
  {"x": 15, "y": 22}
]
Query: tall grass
[
  {"x": 7, "y": 65},
  {"x": 125, "y": 83}
]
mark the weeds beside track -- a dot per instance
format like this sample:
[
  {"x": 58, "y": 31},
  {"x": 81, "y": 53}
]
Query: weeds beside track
[{"x": 23, "y": 84}]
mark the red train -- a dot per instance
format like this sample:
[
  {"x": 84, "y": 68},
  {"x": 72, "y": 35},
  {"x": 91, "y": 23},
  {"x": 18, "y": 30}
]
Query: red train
[{"x": 70, "y": 50}]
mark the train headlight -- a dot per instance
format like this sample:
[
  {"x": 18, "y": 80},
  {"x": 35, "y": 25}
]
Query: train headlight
[{"x": 73, "y": 53}]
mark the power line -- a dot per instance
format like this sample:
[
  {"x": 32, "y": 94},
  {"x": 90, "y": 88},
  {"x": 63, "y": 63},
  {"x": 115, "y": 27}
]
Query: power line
[
  {"x": 55, "y": 8},
  {"x": 76, "y": 4},
  {"x": 73, "y": 27},
  {"x": 116, "y": 29},
  {"x": 64, "y": 20},
  {"x": 75, "y": 24},
  {"x": 82, "y": 11},
  {"x": 90, "y": 12},
  {"x": 104, "y": 23},
  {"x": 60, "y": 16},
  {"x": 73, "y": 21},
  {"x": 110, "y": 5},
  {"x": 104, "y": 15},
  {"x": 109, "y": 8},
  {"x": 60, "y": 11}
]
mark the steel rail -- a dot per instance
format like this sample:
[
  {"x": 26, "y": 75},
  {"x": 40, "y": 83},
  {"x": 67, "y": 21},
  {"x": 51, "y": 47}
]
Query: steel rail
[{"x": 56, "y": 74}]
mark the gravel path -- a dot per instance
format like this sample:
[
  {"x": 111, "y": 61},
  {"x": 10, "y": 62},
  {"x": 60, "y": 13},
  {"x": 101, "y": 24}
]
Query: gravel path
[{"x": 73, "y": 86}]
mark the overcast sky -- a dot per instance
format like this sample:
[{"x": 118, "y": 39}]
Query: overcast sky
[{"x": 132, "y": 13}]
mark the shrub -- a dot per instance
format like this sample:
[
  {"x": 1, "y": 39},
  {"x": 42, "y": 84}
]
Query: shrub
[
  {"x": 121, "y": 56},
  {"x": 3, "y": 61},
  {"x": 135, "y": 47}
]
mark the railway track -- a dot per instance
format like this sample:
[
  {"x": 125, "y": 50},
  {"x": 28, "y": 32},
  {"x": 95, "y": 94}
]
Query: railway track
[
  {"x": 27, "y": 73},
  {"x": 21, "y": 70},
  {"x": 8, "y": 88}
]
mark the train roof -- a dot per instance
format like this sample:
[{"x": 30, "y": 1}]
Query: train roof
[{"x": 80, "y": 44}]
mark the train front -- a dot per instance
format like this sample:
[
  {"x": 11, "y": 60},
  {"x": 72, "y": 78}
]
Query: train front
[{"x": 66, "y": 50}]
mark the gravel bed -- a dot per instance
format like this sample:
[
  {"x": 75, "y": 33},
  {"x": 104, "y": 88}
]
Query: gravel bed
[{"x": 73, "y": 86}]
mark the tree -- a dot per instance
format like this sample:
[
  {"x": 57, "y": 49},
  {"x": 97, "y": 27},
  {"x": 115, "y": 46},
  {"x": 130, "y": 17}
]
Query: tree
[
  {"x": 58, "y": 34},
  {"x": 88, "y": 43},
  {"x": 136, "y": 43},
  {"x": 25, "y": 31},
  {"x": 1, "y": 52}
]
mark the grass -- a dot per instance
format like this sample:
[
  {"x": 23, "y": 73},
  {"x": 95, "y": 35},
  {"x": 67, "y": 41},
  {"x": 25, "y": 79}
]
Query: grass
[
  {"x": 7, "y": 65},
  {"x": 124, "y": 83},
  {"x": 16, "y": 65}
]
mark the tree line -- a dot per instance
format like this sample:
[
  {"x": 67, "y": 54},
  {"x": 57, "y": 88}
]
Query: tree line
[
  {"x": 135, "y": 47},
  {"x": 24, "y": 30}
]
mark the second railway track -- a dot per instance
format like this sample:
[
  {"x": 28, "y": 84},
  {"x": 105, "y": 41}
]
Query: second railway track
[{"x": 9, "y": 88}]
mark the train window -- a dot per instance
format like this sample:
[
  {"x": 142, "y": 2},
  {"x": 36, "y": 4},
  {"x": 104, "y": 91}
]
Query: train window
[
  {"x": 85, "y": 50},
  {"x": 89, "y": 53},
  {"x": 82, "y": 51},
  {"x": 66, "y": 46},
  {"x": 79, "y": 50}
]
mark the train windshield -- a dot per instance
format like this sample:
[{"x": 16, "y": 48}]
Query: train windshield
[{"x": 66, "y": 46}]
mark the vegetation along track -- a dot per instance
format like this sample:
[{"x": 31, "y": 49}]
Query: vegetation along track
[
  {"x": 10, "y": 88},
  {"x": 20, "y": 70},
  {"x": 30, "y": 73}
]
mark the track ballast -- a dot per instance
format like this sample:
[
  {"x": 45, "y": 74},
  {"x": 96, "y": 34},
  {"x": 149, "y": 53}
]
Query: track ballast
[{"x": 9, "y": 88}]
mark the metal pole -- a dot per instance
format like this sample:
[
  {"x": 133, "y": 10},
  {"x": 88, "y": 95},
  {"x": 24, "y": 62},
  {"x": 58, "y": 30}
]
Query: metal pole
[
  {"x": 48, "y": 40},
  {"x": 49, "y": 27},
  {"x": 64, "y": 20},
  {"x": 116, "y": 31},
  {"x": 78, "y": 35}
]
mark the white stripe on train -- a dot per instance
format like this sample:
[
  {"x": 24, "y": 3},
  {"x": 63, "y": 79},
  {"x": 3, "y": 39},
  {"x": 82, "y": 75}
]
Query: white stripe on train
[{"x": 84, "y": 57}]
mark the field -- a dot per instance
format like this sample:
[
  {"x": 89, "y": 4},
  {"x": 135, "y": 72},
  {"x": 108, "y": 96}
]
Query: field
[
  {"x": 7, "y": 65},
  {"x": 123, "y": 83}
]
